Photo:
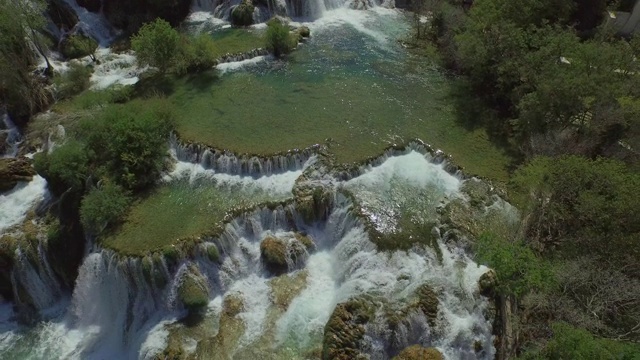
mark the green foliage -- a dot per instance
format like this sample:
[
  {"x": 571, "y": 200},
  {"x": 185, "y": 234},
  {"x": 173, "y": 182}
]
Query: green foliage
[
  {"x": 569, "y": 342},
  {"x": 77, "y": 46},
  {"x": 242, "y": 15},
  {"x": 74, "y": 81},
  {"x": 157, "y": 44},
  {"x": 593, "y": 202},
  {"x": 102, "y": 206},
  {"x": 130, "y": 141},
  {"x": 20, "y": 90},
  {"x": 67, "y": 167},
  {"x": 278, "y": 38},
  {"x": 198, "y": 54},
  {"x": 519, "y": 269}
]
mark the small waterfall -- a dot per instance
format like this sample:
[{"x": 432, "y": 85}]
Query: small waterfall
[
  {"x": 253, "y": 165},
  {"x": 15, "y": 204},
  {"x": 303, "y": 9},
  {"x": 92, "y": 24},
  {"x": 34, "y": 283},
  {"x": 10, "y": 137}
]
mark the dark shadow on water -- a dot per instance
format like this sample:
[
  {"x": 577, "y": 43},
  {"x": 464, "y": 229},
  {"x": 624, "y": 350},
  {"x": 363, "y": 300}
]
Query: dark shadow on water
[{"x": 202, "y": 81}]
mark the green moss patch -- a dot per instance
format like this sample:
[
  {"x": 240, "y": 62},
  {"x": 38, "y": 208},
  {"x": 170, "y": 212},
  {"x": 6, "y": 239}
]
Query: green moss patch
[{"x": 178, "y": 212}]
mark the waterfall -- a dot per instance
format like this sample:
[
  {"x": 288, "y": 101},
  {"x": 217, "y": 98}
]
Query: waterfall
[
  {"x": 34, "y": 283},
  {"x": 301, "y": 9},
  {"x": 15, "y": 203},
  {"x": 10, "y": 135},
  {"x": 92, "y": 24},
  {"x": 229, "y": 163}
]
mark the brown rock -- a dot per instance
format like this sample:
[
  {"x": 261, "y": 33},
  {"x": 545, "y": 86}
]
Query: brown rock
[
  {"x": 417, "y": 352},
  {"x": 13, "y": 170}
]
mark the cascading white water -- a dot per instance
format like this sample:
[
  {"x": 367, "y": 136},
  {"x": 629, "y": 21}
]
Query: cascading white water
[
  {"x": 11, "y": 135},
  {"x": 92, "y": 24},
  {"x": 15, "y": 204}
]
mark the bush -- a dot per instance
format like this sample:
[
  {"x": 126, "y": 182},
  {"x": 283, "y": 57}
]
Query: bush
[
  {"x": 74, "y": 81},
  {"x": 577, "y": 344},
  {"x": 130, "y": 141},
  {"x": 278, "y": 38},
  {"x": 103, "y": 206},
  {"x": 519, "y": 269},
  {"x": 242, "y": 15},
  {"x": 157, "y": 44},
  {"x": 65, "y": 168},
  {"x": 198, "y": 54},
  {"x": 77, "y": 46}
]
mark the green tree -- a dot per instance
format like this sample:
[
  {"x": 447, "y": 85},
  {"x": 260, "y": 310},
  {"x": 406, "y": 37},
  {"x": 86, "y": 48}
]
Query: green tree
[
  {"x": 519, "y": 269},
  {"x": 66, "y": 168},
  {"x": 103, "y": 206},
  {"x": 130, "y": 141},
  {"x": 157, "y": 44},
  {"x": 20, "y": 26}
]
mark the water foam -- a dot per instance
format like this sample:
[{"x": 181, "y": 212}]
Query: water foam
[{"x": 15, "y": 204}]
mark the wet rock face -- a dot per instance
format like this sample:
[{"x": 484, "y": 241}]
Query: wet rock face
[
  {"x": 417, "y": 352},
  {"x": 13, "y": 170},
  {"x": 62, "y": 14},
  {"x": 129, "y": 15},
  {"x": 91, "y": 5}
]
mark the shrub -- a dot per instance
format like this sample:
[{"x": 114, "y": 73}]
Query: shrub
[
  {"x": 242, "y": 15},
  {"x": 103, "y": 206},
  {"x": 573, "y": 343},
  {"x": 130, "y": 141},
  {"x": 198, "y": 54},
  {"x": 157, "y": 44},
  {"x": 278, "y": 38},
  {"x": 77, "y": 46},
  {"x": 66, "y": 167},
  {"x": 74, "y": 81},
  {"x": 519, "y": 269}
]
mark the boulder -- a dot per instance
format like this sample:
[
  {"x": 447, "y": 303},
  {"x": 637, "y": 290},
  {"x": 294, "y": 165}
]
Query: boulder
[
  {"x": 13, "y": 170},
  {"x": 91, "y": 5},
  {"x": 304, "y": 31},
  {"x": 488, "y": 283},
  {"x": 77, "y": 46},
  {"x": 279, "y": 254},
  {"x": 62, "y": 14},
  {"x": 193, "y": 290},
  {"x": 242, "y": 15},
  {"x": 417, "y": 352},
  {"x": 345, "y": 330},
  {"x": 427, "y": 301}
]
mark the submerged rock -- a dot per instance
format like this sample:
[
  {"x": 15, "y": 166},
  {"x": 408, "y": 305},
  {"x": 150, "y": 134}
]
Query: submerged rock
[
  {"x": 417, "y": 352},
  {"x": 13, "y": 170},
  {"x": 193, "y": 290}
]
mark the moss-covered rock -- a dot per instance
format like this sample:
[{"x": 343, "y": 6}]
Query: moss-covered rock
[
  {"x": 345, "y": 330},
  {"x": 417, "y": 352},
  {"x": 242, "y": 15},
  {"x": 313, "y": 204},
  {"x": 478, "y": 191},
  {"x": 13, "y": 170},
  {"x": 213, "y": 254},
  {"x": 427, "y": 301},
  {"x": 304, "y": 31},
  {"x": 274, "y": 255},
  {"x": 280, "y": 254},
  {"x": 77, "y": 46},
  {"x": 488, "y": 283},
  {"x": 193, "y": 290}
]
